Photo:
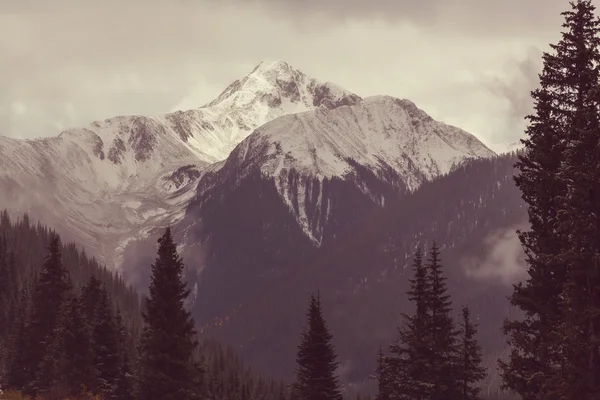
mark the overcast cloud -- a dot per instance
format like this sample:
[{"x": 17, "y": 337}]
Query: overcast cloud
[{"x": 470, "y": 63}]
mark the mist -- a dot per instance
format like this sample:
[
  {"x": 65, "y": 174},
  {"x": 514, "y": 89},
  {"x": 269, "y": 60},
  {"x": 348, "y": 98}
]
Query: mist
[{"x": 502, "y": 259}]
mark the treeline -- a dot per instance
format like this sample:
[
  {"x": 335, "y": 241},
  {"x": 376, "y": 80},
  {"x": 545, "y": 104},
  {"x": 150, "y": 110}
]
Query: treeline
[{"x": 70, "y": 329}]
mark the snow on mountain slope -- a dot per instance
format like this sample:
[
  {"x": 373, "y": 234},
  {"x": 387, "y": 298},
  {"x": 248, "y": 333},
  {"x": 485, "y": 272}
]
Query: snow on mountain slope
[
  {"x": 271, "y": 90},
  {"x": 380, "y": 133},
  {"x": 113, "y": 181},
  {"x": 69, "y": 182}
]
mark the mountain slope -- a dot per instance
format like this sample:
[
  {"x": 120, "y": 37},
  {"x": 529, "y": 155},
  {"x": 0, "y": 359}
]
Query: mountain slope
[
  {"x": 112, "y": 182},
  {"x": 363, "y": 273},
  {"x": 299, "y": 182},
  {"x": 393, "y": 140}
]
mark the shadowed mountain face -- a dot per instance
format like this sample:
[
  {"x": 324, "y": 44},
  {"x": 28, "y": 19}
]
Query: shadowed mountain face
[{"x": 261, "y": 267}]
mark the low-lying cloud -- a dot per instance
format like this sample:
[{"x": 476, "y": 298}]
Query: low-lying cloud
[{"x": 502, "y": 259}]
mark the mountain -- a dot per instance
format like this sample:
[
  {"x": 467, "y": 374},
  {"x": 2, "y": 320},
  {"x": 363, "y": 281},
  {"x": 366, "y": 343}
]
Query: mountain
[
  {"x": 113, "y": 181},
  {"x": 264, "y": 187},
  {"x": 252, "y": 294},
  {"x": 392, "y": 138}
]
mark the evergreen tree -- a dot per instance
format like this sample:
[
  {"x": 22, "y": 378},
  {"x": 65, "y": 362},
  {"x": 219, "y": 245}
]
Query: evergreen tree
[
  {"x": 50, "y": 291},
  {"x": 105, "y": 338},
  {"x": 442, "y": 331},
  {"x": 554, "y": 348},
  {"x": 167, "y": 367},
  {"x": 18, "y": 373},
  {"x": 91, "y": 296},
  {"x": 382, "y": 375},
  {"x": 316, "y": 360},
  {"x": 409, "y": 364},
  {"x": 578, "y": 218},
  {"x": 68, "y": 365},
  {"x": 469, "y": 354},
  {"x": 124, "y": 388}
]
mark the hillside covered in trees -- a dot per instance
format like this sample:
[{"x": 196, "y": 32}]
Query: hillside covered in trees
[{"x": 69, "y": 328}]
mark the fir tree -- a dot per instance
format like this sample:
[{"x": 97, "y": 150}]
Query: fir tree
[
  {"x": 50, "y": 291},
  {"x": 316, "y": 360},
  {"x": 410, "y": 360},
  {"x": 554, "y": 348},
  {"x": 168, "y": 342},
  {"x": 441, "y": 330},
  {"x": 469, "y": 355}
]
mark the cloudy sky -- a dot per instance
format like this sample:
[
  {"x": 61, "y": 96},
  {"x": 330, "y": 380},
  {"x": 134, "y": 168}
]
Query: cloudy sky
[{"x": 470, "y": 63}]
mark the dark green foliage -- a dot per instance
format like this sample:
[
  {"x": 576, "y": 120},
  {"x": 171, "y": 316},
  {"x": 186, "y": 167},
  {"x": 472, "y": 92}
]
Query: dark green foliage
[
  {"x": 16, "y": 340},
  {"x": 167, "y": 369},
  {"x": 383, "y": 376},
  {"x": 431, "y": 360},
  {"x": 124, "y": 383},
  {"x": 50, "y": 291},
  {"x": 82, "y": 348},
  {"x": 316, "y": 377},
  {"x": 91, "y": 295},
  {"x": 470, "y": 371},
  {"x": 39, "y": 282},
  {"x": 410, "y": 361},
  {"x": 107, "y": 351},
  {"x": 68, "y": 365},
  {"x": 555, "y": 348},
  {"x": 441, "y": 330}
]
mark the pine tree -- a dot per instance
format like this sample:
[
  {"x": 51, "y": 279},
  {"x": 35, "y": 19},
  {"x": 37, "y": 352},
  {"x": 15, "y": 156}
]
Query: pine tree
[
  {"x": 316, "y": 362},
  {"x": 441, "y": 330},
  {"x": 410, "y": 361},
  {"x": 554, "y": 182},
  {"x": 168, "y": 342},
  {"x": 50, "y": 291},
  {"x": 469, "y": 354}
]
